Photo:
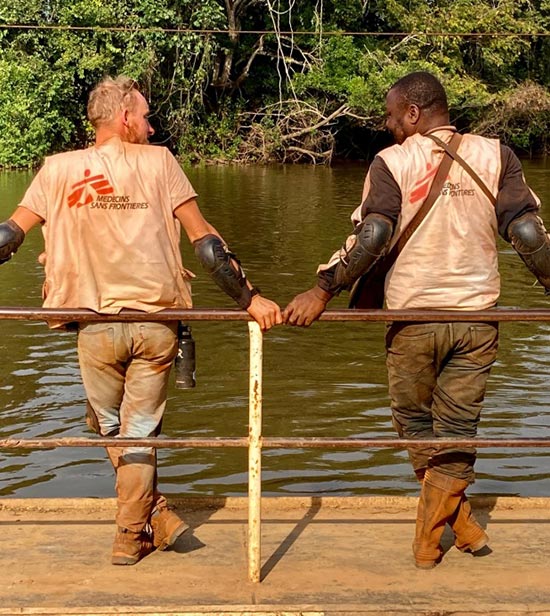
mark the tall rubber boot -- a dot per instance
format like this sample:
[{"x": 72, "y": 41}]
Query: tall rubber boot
[
  {"x": 135, "y": 486},
  {"x": 114, "y": 454},
  {"x": 439, "y": 499},
  {"x": 469, "y": 536},
  {"x": 166, "y": 525}
]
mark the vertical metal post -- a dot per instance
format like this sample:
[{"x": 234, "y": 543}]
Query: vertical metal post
[{"x": 255, "y": 453}]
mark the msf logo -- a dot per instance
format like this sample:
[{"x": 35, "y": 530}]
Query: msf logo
[
  {"x": 422, "y": 186},
  {"x": 85, "y": 191}
]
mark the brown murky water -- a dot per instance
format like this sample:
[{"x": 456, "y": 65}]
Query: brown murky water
[{"x": 326, "y": 381}]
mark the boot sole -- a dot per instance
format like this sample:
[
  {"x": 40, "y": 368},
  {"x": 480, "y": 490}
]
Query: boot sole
[
  {"x": 475, "y": 546},
  {"x": 426, "y": 564},
  {"x": 164, "y": 545},
  {"x": 124, "y": 560}
]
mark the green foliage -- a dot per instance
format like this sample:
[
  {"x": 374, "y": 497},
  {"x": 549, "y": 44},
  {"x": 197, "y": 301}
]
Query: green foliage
[
  {"x": 340, "y": 63},
  {"x": 32, "y": 123},
  {"x": 477, "y": 71},
  {"x": 213, "y": 139},
  {"x": 211, "y": 93},
  {"x": 522, "y": 115}
]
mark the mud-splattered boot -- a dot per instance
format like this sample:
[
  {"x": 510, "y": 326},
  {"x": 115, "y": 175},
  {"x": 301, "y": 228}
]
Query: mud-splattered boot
[
  {"x": 439, "y": 499},
  {"x": 130, "y": 547},
  {"x": 469, "y": 536},
  {"x": 167, "y": 527},
  {"x": 135, "y": 474}
]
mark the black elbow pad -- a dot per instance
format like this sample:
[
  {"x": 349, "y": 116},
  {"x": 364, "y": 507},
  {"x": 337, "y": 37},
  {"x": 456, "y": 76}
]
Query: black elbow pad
[
  {"x": 224, "y": 267},
  {"x": 530, "y": 240},
  {"x": 11, "y": 237},
  {"x": 372, "y": 239}
]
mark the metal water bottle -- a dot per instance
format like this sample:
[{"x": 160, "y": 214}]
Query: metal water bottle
[{"x": 184, "y": 363}]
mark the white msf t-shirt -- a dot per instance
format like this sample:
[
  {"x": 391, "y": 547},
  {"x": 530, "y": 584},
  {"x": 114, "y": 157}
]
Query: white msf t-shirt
[{"x": 111, "y": 237}]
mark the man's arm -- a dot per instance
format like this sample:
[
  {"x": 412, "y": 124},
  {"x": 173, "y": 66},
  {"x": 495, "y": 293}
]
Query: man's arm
[
  {"x": 519, "y": 223},
  {"x": 25, "y": 219},
  {"x": 514, "y": 197},
  {"x": 224, "y": 267},
  {"x": 13, "y": 231},
  {"x": 360, "y": 252},
  {"x": 530, "y": 240}
]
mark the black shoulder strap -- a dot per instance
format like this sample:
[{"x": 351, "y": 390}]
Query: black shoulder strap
[{"x": 465, "y": 166}]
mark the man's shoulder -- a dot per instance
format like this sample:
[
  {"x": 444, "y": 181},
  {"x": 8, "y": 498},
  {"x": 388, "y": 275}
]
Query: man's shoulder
[
  {"x": 65, "y": 157},
  {"x": 478, "y": 147},
  {"x": 148, "y": 150},
  {"x": 398, "y": 153},
  {"x": 481, "y": 139}
]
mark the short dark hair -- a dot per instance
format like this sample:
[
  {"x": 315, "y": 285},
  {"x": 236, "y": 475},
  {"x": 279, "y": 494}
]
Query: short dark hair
[{"x": 424, "y": 90}]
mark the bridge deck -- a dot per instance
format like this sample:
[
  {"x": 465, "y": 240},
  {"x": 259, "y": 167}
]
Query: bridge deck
[{"x": 319, "y": 556}]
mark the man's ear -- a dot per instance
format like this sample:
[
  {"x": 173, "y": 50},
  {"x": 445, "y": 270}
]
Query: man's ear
[
  {"x": 124, "y": 116},
  {"x": 414, "y": 113}
]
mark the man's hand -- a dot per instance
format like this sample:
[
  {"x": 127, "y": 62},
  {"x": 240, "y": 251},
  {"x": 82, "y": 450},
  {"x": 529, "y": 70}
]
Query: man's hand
[
  {"x": 265, "y": 312},
  {"x": 306, "y": 307}
]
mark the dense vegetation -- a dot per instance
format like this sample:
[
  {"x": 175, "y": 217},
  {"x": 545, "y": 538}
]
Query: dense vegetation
[{"x": 284, "y": 95}]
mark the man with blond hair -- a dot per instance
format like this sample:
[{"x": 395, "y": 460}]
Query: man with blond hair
[{"x": 111, "y": 217}]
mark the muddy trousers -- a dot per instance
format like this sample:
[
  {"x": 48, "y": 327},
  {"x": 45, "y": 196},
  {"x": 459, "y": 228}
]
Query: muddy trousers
[
  {"x": 125, "y": 369},
  {"x": 437, "y": 374}
]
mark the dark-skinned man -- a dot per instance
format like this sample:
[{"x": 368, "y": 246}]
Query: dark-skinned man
[{"x": 437, "y": 372}]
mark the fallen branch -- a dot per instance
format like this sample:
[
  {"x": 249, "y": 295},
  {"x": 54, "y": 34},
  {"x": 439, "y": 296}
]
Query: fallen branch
[{"x": 340, "y": 111}]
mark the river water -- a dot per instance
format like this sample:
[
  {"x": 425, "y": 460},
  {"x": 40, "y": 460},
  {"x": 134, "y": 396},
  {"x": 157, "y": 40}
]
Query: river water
[{"x": 328, "y": 380}]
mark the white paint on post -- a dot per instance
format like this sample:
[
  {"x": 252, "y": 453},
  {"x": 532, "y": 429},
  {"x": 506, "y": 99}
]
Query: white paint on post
[{"x": 255, "y": 452}]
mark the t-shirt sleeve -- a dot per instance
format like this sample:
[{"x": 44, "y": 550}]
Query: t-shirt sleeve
[
  {"x": 514, "y": 196},
  {"x": 35, "y": 198},
  {"x": 382, "y": 194},
  {"x": 180, "y": 188}
]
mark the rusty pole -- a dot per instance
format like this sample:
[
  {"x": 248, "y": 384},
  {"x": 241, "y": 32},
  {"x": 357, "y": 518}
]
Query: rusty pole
[
  {"x": 255, "y": 454},
  {"x": 311, "y": 442}
]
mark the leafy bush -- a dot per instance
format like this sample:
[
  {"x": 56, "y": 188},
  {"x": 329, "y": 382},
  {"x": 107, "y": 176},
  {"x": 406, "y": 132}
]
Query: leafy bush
[
  {"x": 268, "y": 97},
  {"x": 32, "y": 118}
]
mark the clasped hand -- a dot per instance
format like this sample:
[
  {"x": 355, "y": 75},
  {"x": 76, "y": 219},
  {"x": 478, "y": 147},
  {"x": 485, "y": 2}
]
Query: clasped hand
[
  {"x": 306, "y": 307},
  {"x": 301, "y": 311}
]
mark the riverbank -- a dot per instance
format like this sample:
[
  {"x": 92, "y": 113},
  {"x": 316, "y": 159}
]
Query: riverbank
[{"x": 319, "y": 556}]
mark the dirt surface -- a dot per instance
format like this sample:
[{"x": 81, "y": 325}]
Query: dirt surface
[{"x": 319, "y": 556}]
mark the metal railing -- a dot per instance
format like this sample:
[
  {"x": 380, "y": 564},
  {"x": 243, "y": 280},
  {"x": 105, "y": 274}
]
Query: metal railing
[{"x": 255, "y": 442}]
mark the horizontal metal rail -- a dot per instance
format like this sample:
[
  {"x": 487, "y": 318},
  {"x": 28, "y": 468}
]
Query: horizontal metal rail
[
  {"x": 394, "y": 443},
  {"x": 217, "y": 314},
  {"x": 172, "y": 443},
  {"x": 255, "y": 442},
  {"x": 270, "y": 443}
]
